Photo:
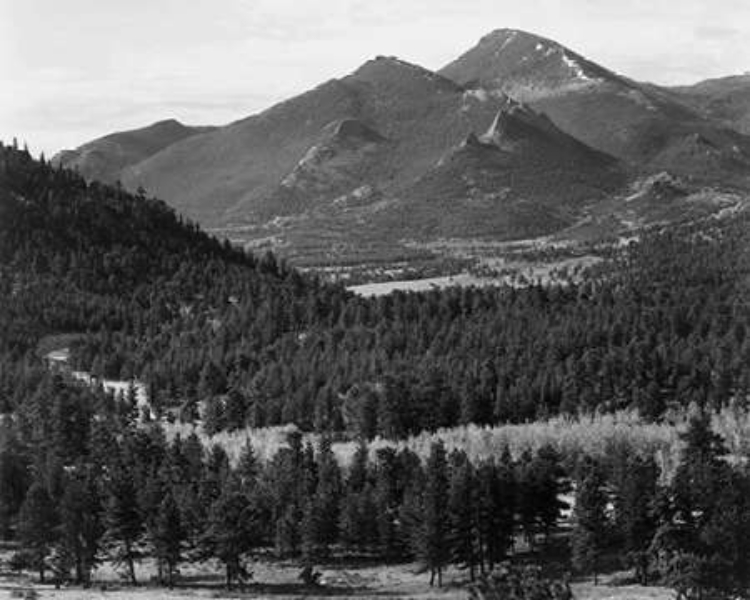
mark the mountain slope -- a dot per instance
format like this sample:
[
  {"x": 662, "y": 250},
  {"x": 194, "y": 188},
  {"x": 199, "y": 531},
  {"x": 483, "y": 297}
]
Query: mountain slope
[
  {"x": 639, "y": 123},
  {"x": 105, "y": 158},
  {"x": 726, "y": 99},
  {"x": 357, "y": 168},
  {"x": 87, "y": 260},
  {"x": 524, "y": 177},
  {"x": 228, "y": 175}
]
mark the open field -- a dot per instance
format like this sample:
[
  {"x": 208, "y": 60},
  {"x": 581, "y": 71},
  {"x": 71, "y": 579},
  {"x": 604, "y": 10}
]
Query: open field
[
  {"x": 499, "y": 271},
  {"x": 423, "y": 285},
  {"x": 278, "y": 580}
]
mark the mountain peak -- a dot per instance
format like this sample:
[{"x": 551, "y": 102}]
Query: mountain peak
[
  {"x": 516, "y": 120},
  {"x": 505, "y": 34},
  {"x": 106, "y": 158},
  {"x": 390, "y": 69},
  {"x": 526, "y": 65},
  {"x": 168, "y": 123},
  {"x": 382, "y": 62}
]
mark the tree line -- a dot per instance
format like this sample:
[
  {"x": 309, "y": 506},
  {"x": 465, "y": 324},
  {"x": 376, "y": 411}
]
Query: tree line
[
  {"x": 246, "y": 341},
  {"x": 77, "y": 490},
  {"x": 115, "y": 489}
]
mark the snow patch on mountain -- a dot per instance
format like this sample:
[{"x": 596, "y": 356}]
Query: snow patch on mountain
[{"x": 574, "y": 66}]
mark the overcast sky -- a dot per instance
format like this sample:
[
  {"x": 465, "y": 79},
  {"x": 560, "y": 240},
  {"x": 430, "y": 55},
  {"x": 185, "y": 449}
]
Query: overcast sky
[{"x": 72, "y": 70}]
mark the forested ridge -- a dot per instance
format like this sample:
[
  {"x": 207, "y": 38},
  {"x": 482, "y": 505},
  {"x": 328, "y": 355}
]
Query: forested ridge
[
  {"x": 235, "y": 340},
  {"x": 663, "y": 324}
]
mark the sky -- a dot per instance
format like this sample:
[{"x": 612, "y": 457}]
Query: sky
[{"x": 74, "y": 70}]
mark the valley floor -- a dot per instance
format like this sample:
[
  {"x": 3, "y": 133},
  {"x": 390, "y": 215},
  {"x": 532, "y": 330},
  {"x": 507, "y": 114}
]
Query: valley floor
[{"x": 279, "y": 581}]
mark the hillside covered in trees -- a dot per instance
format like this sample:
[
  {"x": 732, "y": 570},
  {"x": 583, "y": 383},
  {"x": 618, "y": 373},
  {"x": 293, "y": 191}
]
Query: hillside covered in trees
[
  {"x": 234, "y": 340},
  {"x": 144, "y": 295}
]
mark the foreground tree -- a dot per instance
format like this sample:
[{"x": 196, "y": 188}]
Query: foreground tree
[
  {"x": 232, "y": 531},
  {"x": 36, "y": 526},
  {"x": 590, "y": 519},
  {"x": 635, "y": 510},
  {"x": 14, "y": 481},
  {"x": 434, "y": 548},
  {"x": 463, "y": 512},
  {"x": 81, "y": 526},
  {"x": 169, "y": 537},
  {"x": 702, "y": 545},
  {"x": 123, "y": 522}
]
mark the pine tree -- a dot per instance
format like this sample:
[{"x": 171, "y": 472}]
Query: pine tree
[
  {"x": 287, "y": 485},
  {"x": 590, "y": 519},
  {"x": 496, "y": 503},
  {"x": 81, "y": 527},
  {"x": 434, "y": 548},
  {"x": 548, "y": 487},
  {"x": 212, "y": 381},
  {"x": 232, "y": 530},
  {"x": 14, "y": 481},
  {"x": 235, "y": 410},
  {"x": 357, "y": 476},
  {"x": 463, "y": 511},
  {"x": 213, "y": 415},
  {"x": 358, "y": 525},
  {"x": 37, "y": 520},
  {"x": 387, "y": 498},
  {"x": 311, "y": 532},
  {"x": 726, "y": 537},
  {"x": 168, "y": 536},
  {"x": 701, "y": 471},
  {"x": 321, "y": 511},
  {"x": 701, "y": 546},
  {"x": 122, "y": 519},
  {"x": 528, "y": 500},
  {"x": 213, "y": 475},
  {"x": 248, "y": 468},
  {"x": 634, "y": 509}
]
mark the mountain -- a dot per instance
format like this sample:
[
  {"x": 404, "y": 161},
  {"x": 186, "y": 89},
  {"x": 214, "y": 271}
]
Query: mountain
[
  {"x": 726, "y": 99},
  {"x": 524, "y": 177},
  {"x": 639, "y": 123},
  {"x": 105, "y": 158},
  {"x": 526, "y": 66},
  {"x": 372, "y": 159},
  {"x": 358, "y": 168},
  {"x": 82, "y": 258},
  {"x": 232, "y": 175}
]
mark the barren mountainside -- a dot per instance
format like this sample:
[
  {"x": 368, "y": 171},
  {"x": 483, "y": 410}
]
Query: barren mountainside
[
  {"x": 725, "y": 98},
  {"x": 643, "y": 124},
  {"x": 522, "y": 178},
  {"x": 520, "y": 136},
  {"x": 105, "y": 158},
  {"x": 228, "y": 175}
]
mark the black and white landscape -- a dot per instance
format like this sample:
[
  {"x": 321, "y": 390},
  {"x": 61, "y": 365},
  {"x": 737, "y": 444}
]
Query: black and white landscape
[{"x": 473, "y": 332}]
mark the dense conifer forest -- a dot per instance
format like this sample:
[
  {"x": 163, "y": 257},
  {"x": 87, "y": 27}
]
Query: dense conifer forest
[{"x": 232, "y": 340}]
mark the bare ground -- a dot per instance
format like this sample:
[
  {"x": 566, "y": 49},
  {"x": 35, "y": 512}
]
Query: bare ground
[{"x": 278, "y": 580}]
